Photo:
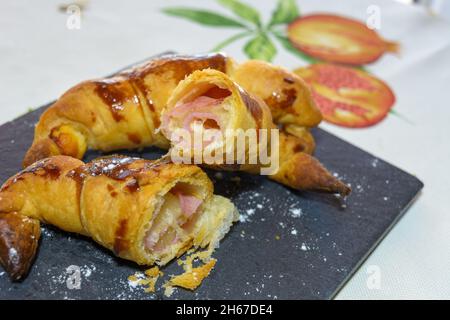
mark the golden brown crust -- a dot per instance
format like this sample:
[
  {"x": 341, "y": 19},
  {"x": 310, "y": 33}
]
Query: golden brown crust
[
  {"x": 301, "y": 171},
  {"x": 286, "y": 94},
  {"x": 165, "y": 72},
  {"x": 42, "y": 189},
  {"x": 300, "y": 139},
  {"x": 40, "y": 149}
]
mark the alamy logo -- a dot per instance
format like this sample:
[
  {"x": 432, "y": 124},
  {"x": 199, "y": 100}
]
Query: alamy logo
[
  {"x": 74, "y": 19},
  {"x": 374, "y": 279},
  {"x": 373, "y": 21},
  {"x": 74, "y": 279}
]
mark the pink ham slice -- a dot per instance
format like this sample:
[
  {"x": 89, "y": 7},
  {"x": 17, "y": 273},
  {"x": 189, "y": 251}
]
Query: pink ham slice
[
  {"x": 201, "y": 108},
  {"x": 199, "y": 103},
  {"x": 189, "y": 204}
]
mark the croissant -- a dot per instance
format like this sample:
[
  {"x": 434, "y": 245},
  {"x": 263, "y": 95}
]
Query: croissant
[
  {"x": 144, "y": 211},
  {"x": 208, "y": 100},
  {"x": 124, "y": 112}
]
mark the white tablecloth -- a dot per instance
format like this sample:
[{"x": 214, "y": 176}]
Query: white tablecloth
[{"x": 40, "y": 58}]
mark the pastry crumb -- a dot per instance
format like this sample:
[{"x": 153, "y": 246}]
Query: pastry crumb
[
  {"x": 146, "y": 280},
  {"x": 153, "y": 272},
  {"x": 192, "y": 277}
]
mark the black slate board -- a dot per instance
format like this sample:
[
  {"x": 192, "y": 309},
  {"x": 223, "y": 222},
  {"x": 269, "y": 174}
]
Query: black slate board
[{"x": 290, "y": 245}]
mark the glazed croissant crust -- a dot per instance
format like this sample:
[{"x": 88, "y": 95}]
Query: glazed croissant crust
[
  {"x": 144, "y": 211},
  {"x": 125, "y": 112}
]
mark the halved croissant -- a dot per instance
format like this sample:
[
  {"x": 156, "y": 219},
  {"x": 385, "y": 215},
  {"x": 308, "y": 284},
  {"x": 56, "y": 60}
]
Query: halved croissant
[
  {"x": 209, "y": 102},
  {"x": 124, "y": 111},
  {"x": 144, "y": 211}
]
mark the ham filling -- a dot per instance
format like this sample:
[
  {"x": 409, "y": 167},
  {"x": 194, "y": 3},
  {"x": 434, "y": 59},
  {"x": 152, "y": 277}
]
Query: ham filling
[
  {"x": 174, "y": 220},
  {"x": 189, "y": 204},
  {"x": 205, "y": 111}
]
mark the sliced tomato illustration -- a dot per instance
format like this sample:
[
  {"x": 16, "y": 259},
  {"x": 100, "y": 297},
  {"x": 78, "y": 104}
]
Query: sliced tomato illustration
[
  {"x": 338, "y": 39},
  {"x": 347, "y": 96}
]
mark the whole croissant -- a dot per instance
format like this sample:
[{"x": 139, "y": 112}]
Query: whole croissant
[
  {"x": 144, "y": 211},
  {"x": 125, "y": 111}
]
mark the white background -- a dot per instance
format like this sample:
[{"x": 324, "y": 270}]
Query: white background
[{"x": 40, "y": 59}]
